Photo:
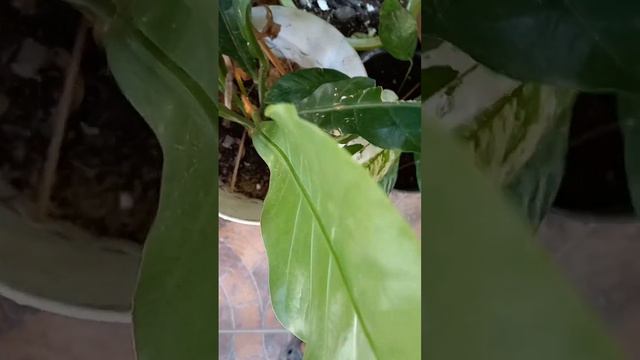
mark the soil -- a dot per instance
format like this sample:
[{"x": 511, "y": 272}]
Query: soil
[
  {"x": 253, "y": 173},
  {"x": 595, "y": 179},
  {"x": 348, "y": 16},
  {"x": 407, "y": 177},
  {"x": 403, "y": 77},
  {"x": 108, "y": 176}
]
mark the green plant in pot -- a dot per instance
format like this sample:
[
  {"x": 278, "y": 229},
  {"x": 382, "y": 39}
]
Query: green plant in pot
[
  {"x": 344, "y": 265},
  {"x": 506, "y": 79},
  {"x": 305, "y": 122}
]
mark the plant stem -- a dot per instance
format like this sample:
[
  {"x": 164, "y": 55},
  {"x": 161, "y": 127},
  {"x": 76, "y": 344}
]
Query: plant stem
[
  {"x": 236, "y": 166},
  {"x": 232, "y": 116},
  {"x": 59, "y": 122}
]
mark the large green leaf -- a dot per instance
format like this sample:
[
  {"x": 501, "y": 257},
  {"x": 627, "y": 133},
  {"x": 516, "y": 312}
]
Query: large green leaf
[
  {"x": 505, "y": 122},
  {"x": 344, "y": 268},
  {"x": 398, "y": 30},
  {"x": 629, "y": 113},
  {"x": 296, "y": 86},
  {"x": 355, "y": 106},
  {"x": 491, "y": 293},
  {"x": 587, "y": 44},
  {"x": 163, "y": 56}
]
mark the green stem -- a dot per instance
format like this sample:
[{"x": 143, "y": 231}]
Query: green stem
[
  {"x": 263, "y": 73},
  {"x": 232, "y": 116}
]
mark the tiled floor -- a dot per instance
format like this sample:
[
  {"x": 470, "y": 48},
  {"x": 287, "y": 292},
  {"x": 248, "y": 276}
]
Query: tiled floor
[{"x": 248, "y": 327}]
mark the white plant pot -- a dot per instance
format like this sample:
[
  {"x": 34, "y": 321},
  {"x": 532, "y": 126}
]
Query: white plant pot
[
  {"x": 62, "y": 270},
  {"x": 310, "y": 42}
]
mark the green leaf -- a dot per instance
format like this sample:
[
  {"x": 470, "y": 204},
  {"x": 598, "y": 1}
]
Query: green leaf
[
  {"x": 505, "y": 134},
  {"x": 388, "y": 181},
  {"x": 296, "y": 86},
  {"x": 163, "y": 56},
  {"x": 174, "y": 312},
  {"x": 383, "y": 163},
  {"x": 536, "y": 185},
  {"x": 344, "y": 269},
  {"x": 506, "y": 122},
  {"x": 629, "y": 113},
  {"x": 491, "y": 292},
  {"x": 435, "y": 78},
  {"x": 354, "y": 148},
  {"x": 585, "y": 44},
  {"x": 398, "y": 30},
  {"x": 178, "y": 28},
  {"x": 235, "y": 39},
  {"x": 354, "y": 106}
]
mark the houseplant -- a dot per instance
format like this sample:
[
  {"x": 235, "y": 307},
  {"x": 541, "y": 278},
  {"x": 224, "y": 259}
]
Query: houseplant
[
  {"x": 79, "y": 257},
  {"x": 334, "y": 102},
  {"x": 162, "y": 55}
]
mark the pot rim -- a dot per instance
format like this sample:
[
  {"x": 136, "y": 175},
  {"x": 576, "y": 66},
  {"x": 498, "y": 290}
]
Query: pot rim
[
  {"x": 238, "y": 220},
  {"x": 64, "y": 309}
]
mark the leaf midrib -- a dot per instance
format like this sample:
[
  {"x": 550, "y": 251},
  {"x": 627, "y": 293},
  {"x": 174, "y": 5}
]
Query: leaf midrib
[
  {"x": 323, "y": 230},
  {"x": 369, "y": 105}
]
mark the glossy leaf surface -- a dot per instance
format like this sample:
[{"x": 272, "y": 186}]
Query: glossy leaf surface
[
  {"x": 344, "y": 267},
  {"x": 356, "y": 106},
  {"x": 296, "y": 86}
]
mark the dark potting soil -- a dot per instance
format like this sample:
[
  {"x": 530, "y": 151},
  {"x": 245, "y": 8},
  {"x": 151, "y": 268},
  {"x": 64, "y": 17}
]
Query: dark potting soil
[
  {"x": 595, "y": 180},
  {"x": 403, "y": 77},
  {"x": 108, "y": 176},
  {"x": 348, "y": 16},
  {"x": 253, "y": 173},
  {"x": 407, "y": 177}
]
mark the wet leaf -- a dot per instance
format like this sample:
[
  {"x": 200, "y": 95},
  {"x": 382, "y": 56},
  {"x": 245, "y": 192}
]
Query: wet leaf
[
  {"x": 296, "y": 86},
  {"x": 355, "y": 106}
]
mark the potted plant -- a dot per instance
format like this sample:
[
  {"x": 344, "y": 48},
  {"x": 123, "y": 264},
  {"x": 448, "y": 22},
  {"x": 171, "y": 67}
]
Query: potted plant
[
  {"x": 269, "y": 96},
  {"x": 76, "y": 201}
]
